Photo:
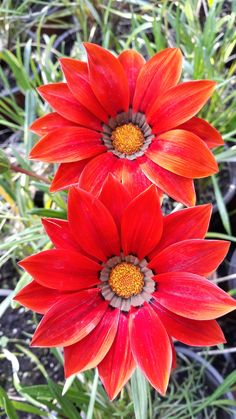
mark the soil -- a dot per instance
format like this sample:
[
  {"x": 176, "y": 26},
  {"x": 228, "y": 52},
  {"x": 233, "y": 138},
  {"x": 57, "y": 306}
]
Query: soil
[{"x": 16, "y": 327}]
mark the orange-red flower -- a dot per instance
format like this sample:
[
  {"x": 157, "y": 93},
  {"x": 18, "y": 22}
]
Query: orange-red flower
[
  {"x": 130, "y": 118},
  {"x": 123, "y": 281}
]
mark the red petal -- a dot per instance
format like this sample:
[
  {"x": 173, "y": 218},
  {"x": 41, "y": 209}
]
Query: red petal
[
  {"x": 108, "y": 79},
  {"x": 49, "y": 122},
  {"x": 38, "y": 298},
  {"x": 198, "y": 256},
  {"x": 192, "y": 296},
  {"x": 141, "y": 224},
  {"x": 70, "y": 319},
  {"x": 188, "y": 331},
  {"x": 132, "y": 62},
  {"x": 115, "y": 197},
  {"x": 189, "y": 223},
  {"x": 68, "y": 175},
  {"x": 131, "y": 176},
  {"x": 77, "y": 77},
  {"x": 63, "y": 102},
  {"x": 68, "y": 145},
  {"x": 62, "y": 270},
  {"x": 96, "y": 171},
  {"x": 158, "y": 75},
  {"x": 89, "y": 352},
  {"x": 151, "y": 347},
  {"x": 59, "y": 233},
  {"x": 183, "y": 153},
  {"x": 179, "y": 104},
  {"x": 178, "y": 187},
  {"x": 118, "y": 365},
  {"x": 204, "y": 130},
  {"x": 92, "y": 225}
]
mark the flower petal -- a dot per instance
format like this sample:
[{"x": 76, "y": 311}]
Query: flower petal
[
  {"x": 63, "y": 102},
  {"x": 179, "y": 104},
  {"x": 92, "y": 225},
  {"x": 141, "y": 224},
  {"x": 151, "y": 347},
  {"x": 131, "y": 176},
  {"x": 188, "y": 223},
  {"x": 159, "y": 74},
  {"x": 67, "y": 175},
  {"x": 89, "y": 352},
  {"x": 132, "y": 62},
  {"x": 77, "y": 77},
  {"x": 204, "y": 130},
  {"x": 38, "y": 298},
  {"x": 115, "y": 197},
  {"x": 177, "y": 187},
  {"x": 108, "y": 79},
  {"x": 96, "y": 171},
  {"x": 183, "y": 153},
  {"x": 118, "y": 365},
  {"x": 59, "y": 233},
  {"x": 71, "y": 319},
  {"x": 62, "y": 270},
  {"x": 68, "y": 144},
  {"x": 192, "y": 296},
  {"x": 198, "y": 256},
  {"x": 48, "y": 123},
  {"x": 188, "y": 331}
]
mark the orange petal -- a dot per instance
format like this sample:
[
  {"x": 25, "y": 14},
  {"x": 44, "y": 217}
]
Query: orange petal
[
  {"x": 183, "y": 153},
  {"x": 77, "y": 77},
  {"x": 188, "y": 223},
  {"x": 177, "y": 187},
  {"x": 159, "y": 74},
  {"x": 71, "y": 319},
  {"x": 48, "y": 123},
  {"x": 89, "y": 352},
  {"x": 179, "y": 104},
  {"x": 108, "y": 79},
  {"x": 192, "y": 296},
  {"x": 68, "y": 145},
  {"x": 151, "y": 347},
  {"x": 63, "y": 102},
  {"x": 198, "y": 256},
  {"x": 118, "y": 365},
  {"x": 132, "y": 62},
  {"x": 204, "y": 130}
]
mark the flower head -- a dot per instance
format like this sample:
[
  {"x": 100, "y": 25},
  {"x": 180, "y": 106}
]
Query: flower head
[
  {"x": 122, "y": 282},
  {"x": 130, "y": 118}
]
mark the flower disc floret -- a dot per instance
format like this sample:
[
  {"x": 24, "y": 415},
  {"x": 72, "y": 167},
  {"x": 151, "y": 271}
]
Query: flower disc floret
[
  {"x": 127, "y": 138},
  {"x": 126, "y": 280}
]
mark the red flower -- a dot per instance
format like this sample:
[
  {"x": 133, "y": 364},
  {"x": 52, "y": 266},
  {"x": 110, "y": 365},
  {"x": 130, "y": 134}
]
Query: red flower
[
  {"x": 123, "y": 281},
  {"x": 129, "y": 118}
]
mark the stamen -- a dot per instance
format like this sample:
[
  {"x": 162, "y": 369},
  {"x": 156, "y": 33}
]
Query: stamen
[
  {"x": 126, "y": 280},
  {"x": 127, "y": 138}
]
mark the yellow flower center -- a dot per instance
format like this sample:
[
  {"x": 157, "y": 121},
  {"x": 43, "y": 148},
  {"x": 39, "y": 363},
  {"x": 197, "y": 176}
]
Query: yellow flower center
[
  {"x": 126, "y": 280},
  {"x": 127, "y": 138}
]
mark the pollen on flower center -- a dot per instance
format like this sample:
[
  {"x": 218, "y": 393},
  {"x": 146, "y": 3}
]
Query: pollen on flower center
[
  {"x": 126, "y": 280},
  {"x": 127, "y": 138}
]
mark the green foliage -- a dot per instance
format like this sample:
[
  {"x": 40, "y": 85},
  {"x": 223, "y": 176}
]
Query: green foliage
[{"x": 31, "y": 41}]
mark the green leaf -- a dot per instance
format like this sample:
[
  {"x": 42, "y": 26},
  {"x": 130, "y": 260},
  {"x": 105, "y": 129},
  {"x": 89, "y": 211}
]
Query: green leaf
[
  {"x": 7, "y": 405},
  {"x": 65, "y": 403},
  {"x": 42, "y": 212},
  {"x": 4, "y": 162},
  {"x": 93, "y": 396},
  {"x": 221, "y": 206},
  {"x": 139, "y": 388}
]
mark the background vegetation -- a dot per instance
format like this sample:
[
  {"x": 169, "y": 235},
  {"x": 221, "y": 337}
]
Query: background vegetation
[{"x": 33, "y": 35}]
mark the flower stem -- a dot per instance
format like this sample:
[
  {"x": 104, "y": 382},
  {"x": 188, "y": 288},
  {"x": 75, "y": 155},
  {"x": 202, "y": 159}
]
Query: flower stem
[{"x": 18, "y": 169}]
